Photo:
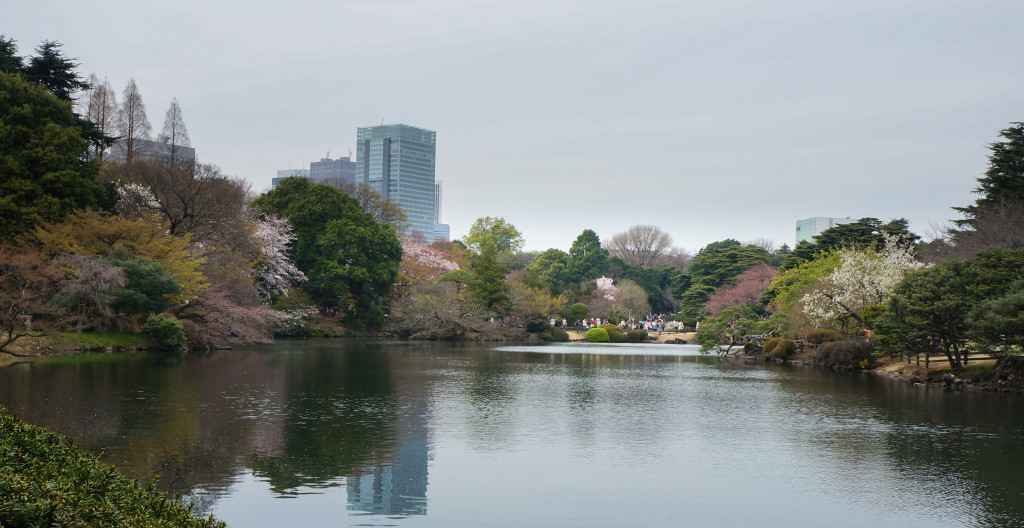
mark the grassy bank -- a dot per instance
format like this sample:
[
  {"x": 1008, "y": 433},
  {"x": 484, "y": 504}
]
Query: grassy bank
[{"x": 46, "y": 481}]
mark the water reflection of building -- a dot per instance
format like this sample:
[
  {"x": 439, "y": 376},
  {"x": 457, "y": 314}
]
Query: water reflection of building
[{"x": 399, "y": 486}]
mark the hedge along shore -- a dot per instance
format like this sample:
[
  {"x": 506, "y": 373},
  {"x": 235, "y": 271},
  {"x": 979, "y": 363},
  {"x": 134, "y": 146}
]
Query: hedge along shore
[{"x": 46, "y": 481}]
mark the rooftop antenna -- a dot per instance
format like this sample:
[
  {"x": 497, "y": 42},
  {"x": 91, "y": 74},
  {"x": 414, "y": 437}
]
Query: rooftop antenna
[{"x": 328, "y": 152}]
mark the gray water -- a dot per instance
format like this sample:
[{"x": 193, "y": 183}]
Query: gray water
[{"x": 345, "y": 433}]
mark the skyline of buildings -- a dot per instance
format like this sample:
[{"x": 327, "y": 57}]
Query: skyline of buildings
[{"x": 396, "y": 160}]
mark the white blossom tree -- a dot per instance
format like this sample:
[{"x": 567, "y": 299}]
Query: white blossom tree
[
  {"x": 275, "y": 272},
  {"x": 863, "y": 278},
  {"x": 605, "y": 289}
]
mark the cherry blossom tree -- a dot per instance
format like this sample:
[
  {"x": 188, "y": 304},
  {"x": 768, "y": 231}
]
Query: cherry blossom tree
[
  {"x": 749, "y": 287},
  {"x": 605, "y": 289},
  {"x": 420, "y": 264},
  {"x": 275, "y": 272},
  {"x": 863, "y": 278}
]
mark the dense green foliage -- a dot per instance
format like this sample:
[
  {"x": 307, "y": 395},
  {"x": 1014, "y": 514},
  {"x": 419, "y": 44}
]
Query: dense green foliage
[
  {"x": 718, "y": 264},
  {"x": 45, "y": 481},
  {"x": 350, "y": 259},
  {"x": 44, "y": 173},
  {"x": 495, "y": 231},
  {"x": 167, "y": 333},
  {"x": 489, "y": 287},
  {"x": 598, "y": 335},
  {"x": 931, "y": 308},
  {"x": 587, "y": 259},
  {"x": 1004, "y": 178},
  {"x": 147, "y": 284}
]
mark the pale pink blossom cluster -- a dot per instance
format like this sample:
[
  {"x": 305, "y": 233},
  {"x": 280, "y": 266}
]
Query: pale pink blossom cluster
[
  {"x": 426, "y": 255},
  {"x": 276, "y": 272},
  {"x": 605, "y": 288}
]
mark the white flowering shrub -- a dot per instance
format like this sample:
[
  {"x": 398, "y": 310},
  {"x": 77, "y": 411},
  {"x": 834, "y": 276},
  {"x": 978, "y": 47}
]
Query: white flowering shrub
[{"x": 863, "y": 278}]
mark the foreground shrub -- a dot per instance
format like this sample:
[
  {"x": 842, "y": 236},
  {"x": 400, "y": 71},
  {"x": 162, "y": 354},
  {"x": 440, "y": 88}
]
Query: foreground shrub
[
  {"x": 166, "y": 332},
  {"x": 818, "y": 336},
  {"x": 784, "y": 349},
  {"x": 45, "y": 481},
  {"x": 770, "y": 344},
  {"x": 598, "y": 335},
  {"x": 852, "y": 354},
  {"x": 556, "y": 334},
  {"x": 636, "y": 336}
]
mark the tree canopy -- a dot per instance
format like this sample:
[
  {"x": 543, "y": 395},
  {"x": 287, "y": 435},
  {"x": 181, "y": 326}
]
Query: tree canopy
[
  {"x": 44, "y": 173},
  {"x": 1004, "y": 178},
  {"x": 350, "y": 260},
  {"x": 494, "y": 230}
]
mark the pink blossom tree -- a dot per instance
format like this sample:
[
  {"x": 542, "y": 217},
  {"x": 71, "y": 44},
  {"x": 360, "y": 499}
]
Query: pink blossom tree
[{"x": 750, "y": 286}]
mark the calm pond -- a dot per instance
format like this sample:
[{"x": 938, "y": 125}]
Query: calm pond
[{"x": 341, "y": 433}]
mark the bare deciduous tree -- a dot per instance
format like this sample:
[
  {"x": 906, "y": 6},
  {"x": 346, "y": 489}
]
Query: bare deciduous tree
[
  {"x": 175, "y": 135},
  {"x": 132, "y": 123},
  {"x": 99, "y": 104},
  {"x": 640, "y": 245},
  {"x": 383, "y": 210}
]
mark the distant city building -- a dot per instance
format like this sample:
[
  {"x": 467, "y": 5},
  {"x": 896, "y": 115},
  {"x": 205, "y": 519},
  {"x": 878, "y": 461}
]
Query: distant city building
[
  {"x": 442, "y": 232},
  {"x": 437, "y": 201},
  {"x": 807, "y": 229},
  {"x": 289, "y": 173},
  {"x": 398, "y": 161},
  {"x": 146, "y": 149},
  {"x": 337, "y": 171}
]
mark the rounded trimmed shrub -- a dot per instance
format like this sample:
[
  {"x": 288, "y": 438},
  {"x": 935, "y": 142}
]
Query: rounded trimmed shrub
[
  {"x": 615, "y": 334},
  {"x": 556, "y": 334},
  {"x": 538, "y": 326},
  {"x": 818, "y": 336},
  {"x": 770, "y": 344},
  {"x": 598, "y": 335},
  {"x": 783, "y": 349},
  {"x": 850, "y": 354},
  {"x": 636, "y": 336}
]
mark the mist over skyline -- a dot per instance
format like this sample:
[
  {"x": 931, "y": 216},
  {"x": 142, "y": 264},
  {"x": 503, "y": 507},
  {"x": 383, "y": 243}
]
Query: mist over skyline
[{"x": 730, "y": 120}]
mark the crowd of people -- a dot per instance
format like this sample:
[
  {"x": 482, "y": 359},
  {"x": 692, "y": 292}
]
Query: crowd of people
[{"x": 649, "y": 323}]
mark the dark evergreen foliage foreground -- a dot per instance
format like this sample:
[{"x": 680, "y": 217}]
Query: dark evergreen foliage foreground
[{"x": 45, "y": 481}]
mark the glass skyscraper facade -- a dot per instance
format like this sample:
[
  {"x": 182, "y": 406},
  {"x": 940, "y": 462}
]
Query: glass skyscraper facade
[{"x": 398, "y": 161}]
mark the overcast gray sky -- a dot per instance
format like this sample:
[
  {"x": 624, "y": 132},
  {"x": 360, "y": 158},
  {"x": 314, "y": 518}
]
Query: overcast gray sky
[{"x": 713, "y": 119}]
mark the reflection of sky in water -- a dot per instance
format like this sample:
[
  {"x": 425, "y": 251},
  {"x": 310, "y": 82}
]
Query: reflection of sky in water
[{"x": 616, "y": 349}]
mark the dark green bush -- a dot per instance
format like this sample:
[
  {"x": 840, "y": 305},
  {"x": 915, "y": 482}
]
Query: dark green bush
[
  {"x": 851, "y": 354},
  {"x": 783, "y": 349},
  {"x": 615, "y": 334},
  {"x": 818, "y": 336},
  {"x": 770, "y": 344},
  {"x": 538, "y": 326},
  {"x": 598, "y": 335},
  {"x": 45, "y": 481},
  {"x": 636, "y": 336},
  {"x": 556, "y": 335},
  {"x": 166, "y": 332}
]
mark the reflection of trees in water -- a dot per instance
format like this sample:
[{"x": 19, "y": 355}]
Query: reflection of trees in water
[
  {"x": 339, "y": 415},
  {"x": 962, "y": 452}
]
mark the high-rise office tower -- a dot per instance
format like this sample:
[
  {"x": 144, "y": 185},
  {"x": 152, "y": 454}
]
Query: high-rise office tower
[
  {"x": 341, "y": 171},
  {"x": 398, "y": 161}
]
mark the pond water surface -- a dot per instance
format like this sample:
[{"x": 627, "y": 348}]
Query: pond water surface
[{"x": 343, "y": 433}]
